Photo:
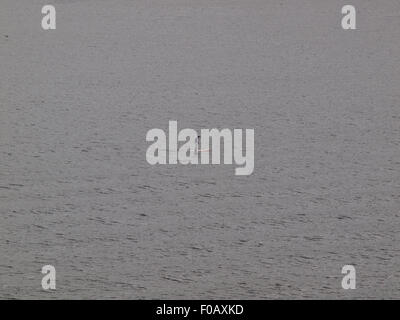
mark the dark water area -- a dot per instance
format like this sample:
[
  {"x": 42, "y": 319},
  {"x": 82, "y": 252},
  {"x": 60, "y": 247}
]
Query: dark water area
[{"x": 76, "y": 191}]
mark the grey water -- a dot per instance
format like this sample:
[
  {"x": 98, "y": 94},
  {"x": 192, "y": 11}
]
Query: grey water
[{"x": 77, "y": 193}]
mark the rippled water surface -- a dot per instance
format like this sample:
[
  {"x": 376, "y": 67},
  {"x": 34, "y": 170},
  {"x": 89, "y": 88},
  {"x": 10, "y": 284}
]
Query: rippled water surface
[{"x": 76, "y": 191}]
